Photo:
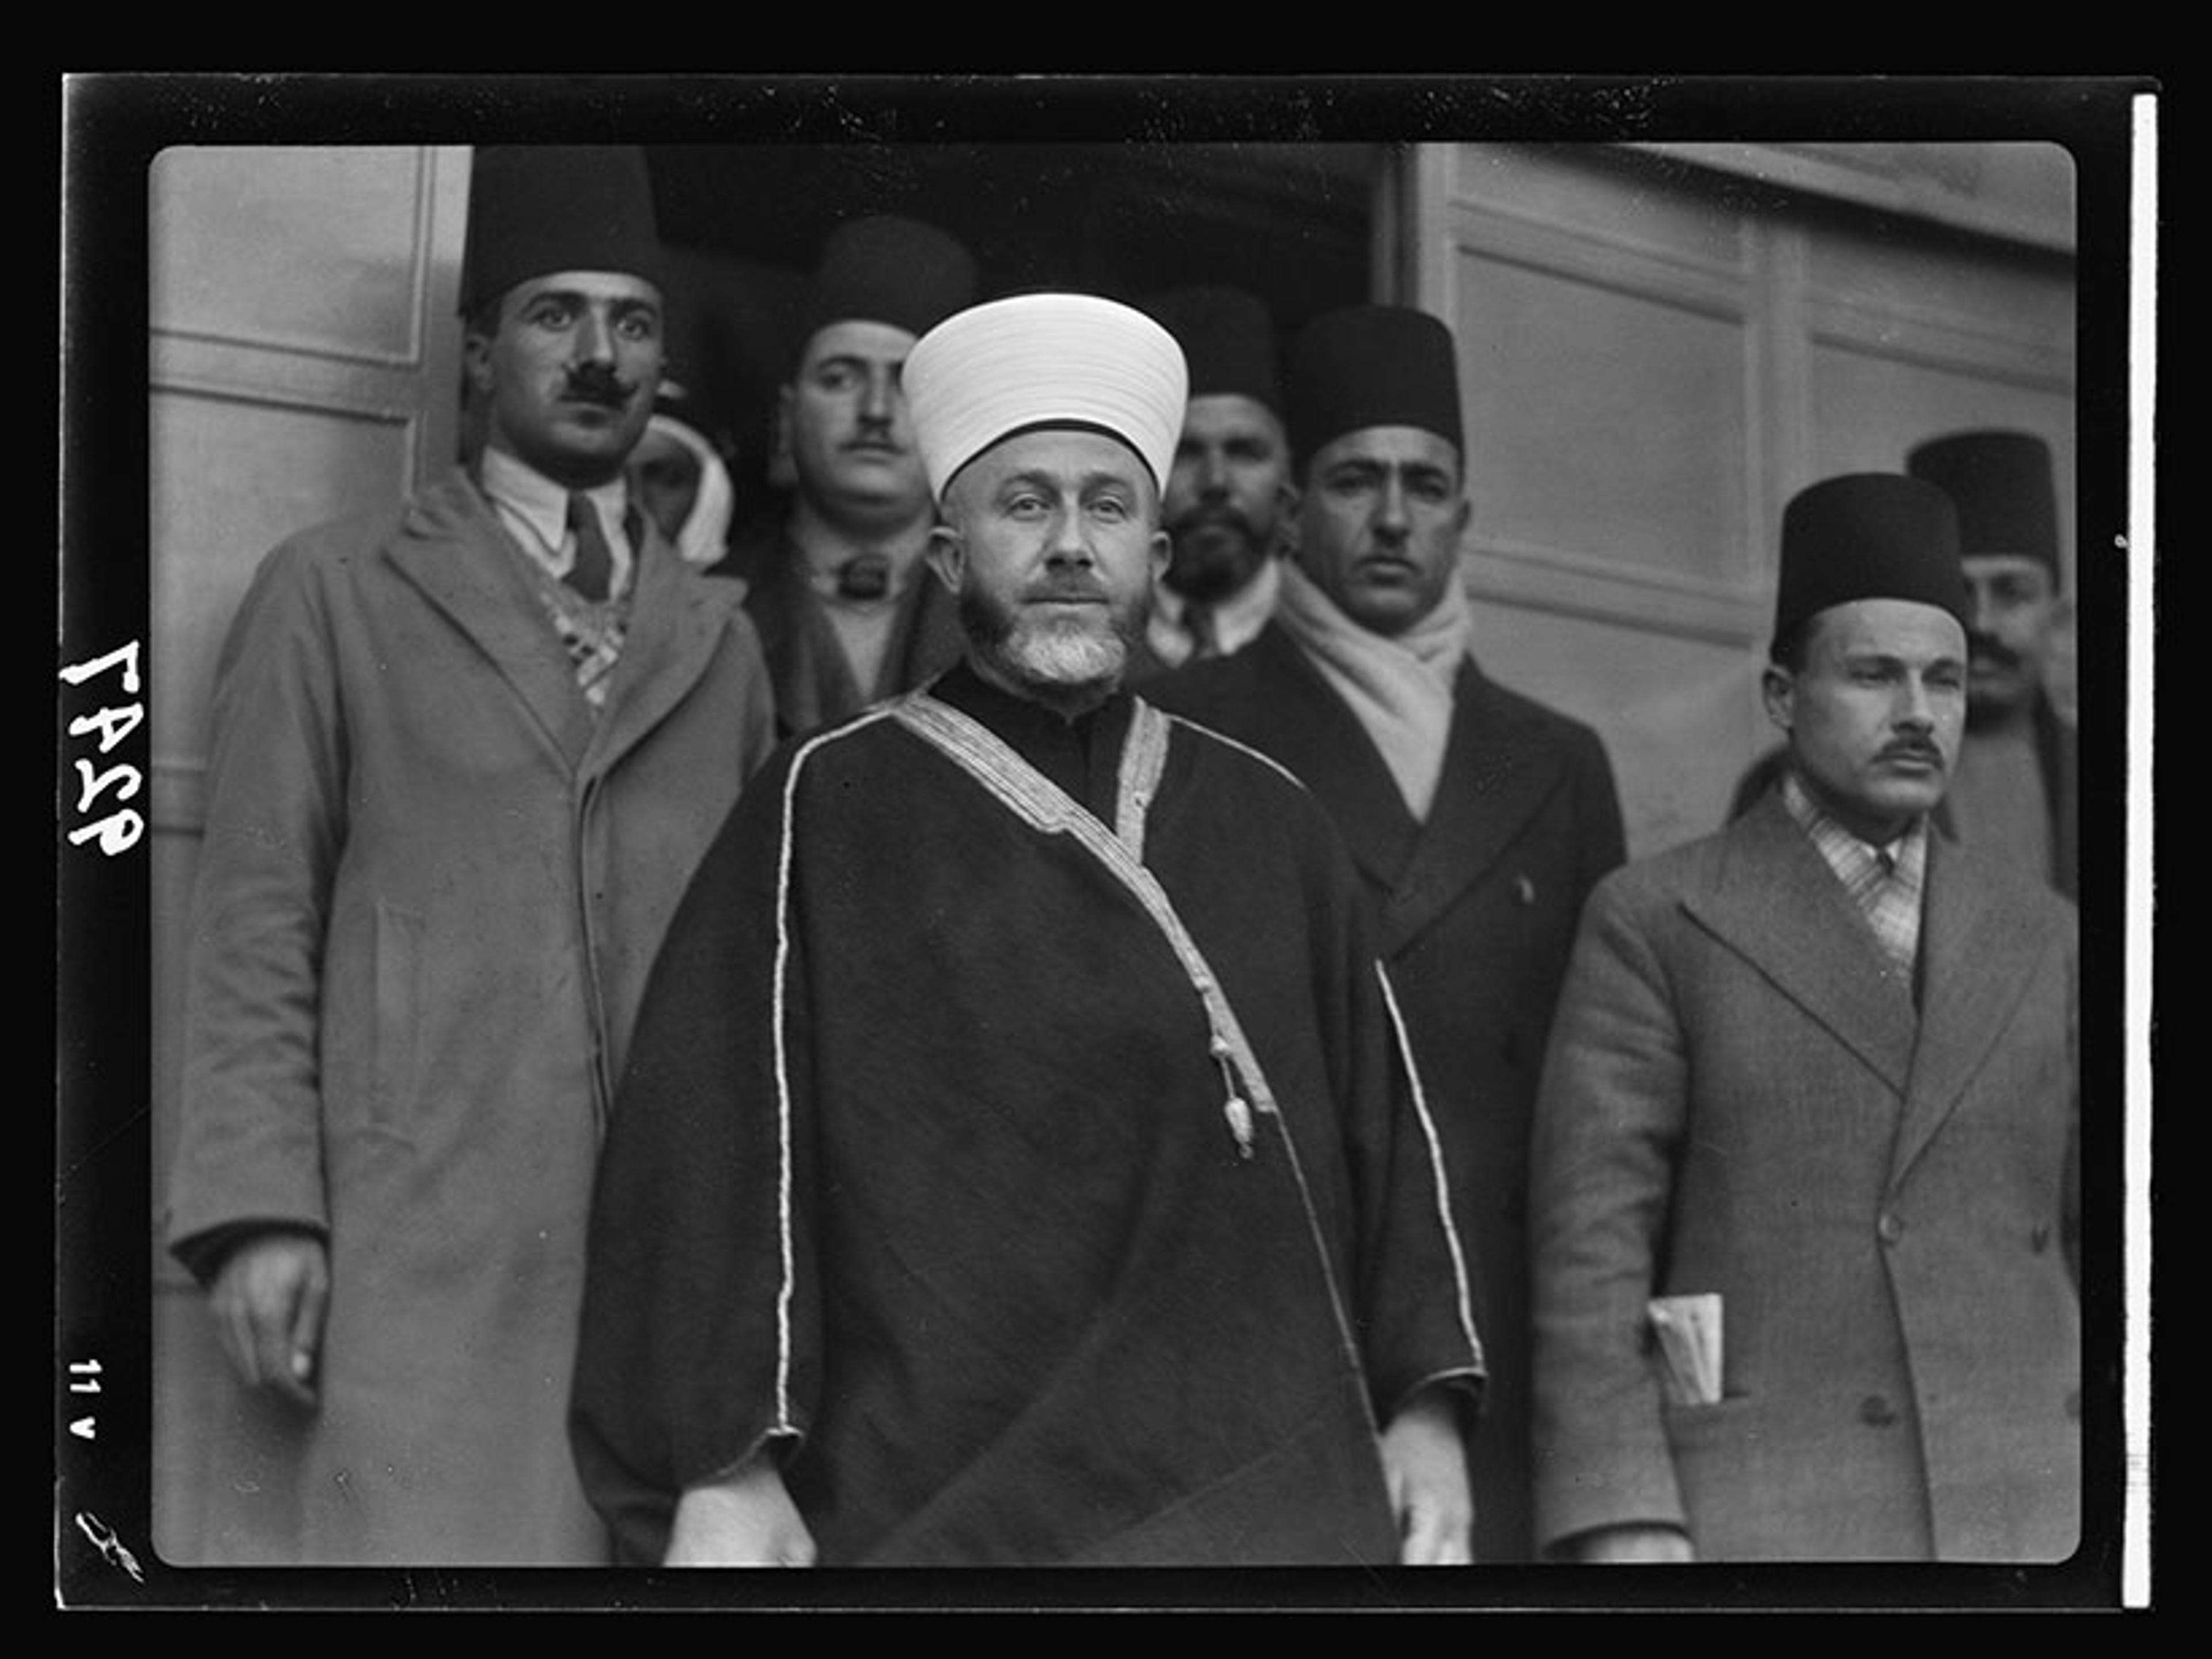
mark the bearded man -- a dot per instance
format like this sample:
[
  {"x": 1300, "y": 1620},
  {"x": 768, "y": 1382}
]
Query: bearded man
[{"x": 1021, "y": 1162}]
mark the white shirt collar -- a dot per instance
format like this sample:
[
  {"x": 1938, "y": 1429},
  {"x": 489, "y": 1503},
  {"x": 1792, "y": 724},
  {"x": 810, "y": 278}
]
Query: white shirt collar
[{"x": 536, "y": 510}]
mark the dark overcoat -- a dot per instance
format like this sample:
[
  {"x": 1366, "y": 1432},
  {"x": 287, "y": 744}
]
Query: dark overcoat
[{"x": 1475, "y": 911}]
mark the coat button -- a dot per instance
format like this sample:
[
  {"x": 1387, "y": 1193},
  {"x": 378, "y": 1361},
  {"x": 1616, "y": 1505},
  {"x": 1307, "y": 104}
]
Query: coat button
[
  {"x": 1876, "y": 1412},
  {"x": 1524, "y": 890},
  {"x": 2038, "y": 1238},
  {"x": 1889, "y": 1227}
]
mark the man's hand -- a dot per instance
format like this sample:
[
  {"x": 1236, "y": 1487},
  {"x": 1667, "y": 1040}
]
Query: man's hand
[
  {"x": 1634, "y": 1543},
  {"x": 747, "y": 1521},
  {"x": 268, "y": 1300},
  {"x": 1425, "y": 1464}
]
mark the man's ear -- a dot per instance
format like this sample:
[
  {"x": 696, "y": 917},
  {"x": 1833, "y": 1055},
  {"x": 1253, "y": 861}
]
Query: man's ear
[
  {"x": 476, "y": 362},
  {"x": 1287, "y": 519},
  {"x": 947, "y": 556},
  {"x": 1777, "y": 691}
]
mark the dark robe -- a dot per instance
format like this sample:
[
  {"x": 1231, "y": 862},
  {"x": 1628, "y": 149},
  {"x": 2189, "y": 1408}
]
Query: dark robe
[
  {"x": 1476, "y": 915},
  {"x": 1034, "y": 1199}
]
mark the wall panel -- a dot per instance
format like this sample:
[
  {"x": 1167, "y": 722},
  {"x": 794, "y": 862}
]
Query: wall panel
[
  {"x": 304, "y": 361},
  {"x": 1655, "y": 355}
]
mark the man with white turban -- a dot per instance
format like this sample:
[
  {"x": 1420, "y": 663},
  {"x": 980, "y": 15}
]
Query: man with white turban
[
  {"x": 1020, "y": 1161},
  {"x": 682, "y": 482}
]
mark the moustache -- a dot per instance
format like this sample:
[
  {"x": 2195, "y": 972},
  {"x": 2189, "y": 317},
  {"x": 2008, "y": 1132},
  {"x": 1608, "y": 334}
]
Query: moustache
[
  {"x": 595, "y": 383},
  {"x": 1985, "y": 646},
  {"x": 1210, "y": 517},
  {"x": 1911, "y": 749},
  {"x": 1075, "y": 591}
]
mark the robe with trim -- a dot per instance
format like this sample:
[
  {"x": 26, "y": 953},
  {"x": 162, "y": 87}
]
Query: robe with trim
[{"x": 927, "y": 1176}]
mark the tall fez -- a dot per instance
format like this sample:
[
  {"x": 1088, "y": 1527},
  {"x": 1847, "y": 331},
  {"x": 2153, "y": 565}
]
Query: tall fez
[
  {"x": 884, "y": 269},
  {"x": 1868, "y": 536},
  {"x": 535, "y": 208},
  {"x": 1228, "y": 340},
  {"x": 1044, "y": 360},
  {"x": 2001, "y": 483},
  {"x": 1368, "y": 366}
]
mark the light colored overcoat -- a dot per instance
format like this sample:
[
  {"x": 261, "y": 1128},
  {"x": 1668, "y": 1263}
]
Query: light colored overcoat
[{"x": 431, "y": 888}]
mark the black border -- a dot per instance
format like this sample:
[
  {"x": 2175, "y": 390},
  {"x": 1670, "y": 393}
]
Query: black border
[{"x": 113, "y": 125}]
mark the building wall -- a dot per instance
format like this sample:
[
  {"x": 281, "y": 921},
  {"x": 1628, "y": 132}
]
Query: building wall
[
  {"x": 1660, "y": 345},
  {"x": 304, "y": 362}
]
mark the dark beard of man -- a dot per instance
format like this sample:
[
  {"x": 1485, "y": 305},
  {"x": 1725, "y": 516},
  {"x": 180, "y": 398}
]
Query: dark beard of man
[
  {"x": 1020, "y": 652},
  {"x": 1984, "y": 713},
  {"x": 1215, "y": 552}
]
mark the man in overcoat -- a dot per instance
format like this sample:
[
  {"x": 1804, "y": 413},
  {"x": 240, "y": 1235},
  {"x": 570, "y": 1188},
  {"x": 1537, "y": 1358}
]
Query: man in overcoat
[
  {"x": 466, "y": 754},
  {"x": 1804, "y": 1198},
  {"x": 846, "y": 611},
  {"x": 1478, "y": 817},
  {"x": 2017, "y": 791}
]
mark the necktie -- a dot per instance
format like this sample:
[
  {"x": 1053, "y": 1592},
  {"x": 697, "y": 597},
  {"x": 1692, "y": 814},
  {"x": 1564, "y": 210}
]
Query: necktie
[
  {"x": 592, "y": 568},
  {"x": 1889, "y": 908},
  {"x": 865, "y": 576}
]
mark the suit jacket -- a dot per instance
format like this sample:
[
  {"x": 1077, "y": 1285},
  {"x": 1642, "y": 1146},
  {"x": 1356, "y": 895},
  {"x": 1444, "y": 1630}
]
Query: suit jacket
[
  {"x": 431, "y": 886},
  {"x": 1475, "y": 910},
  {"x": 1742, "y": 1100},
  {"x": 813, "y": 680}
]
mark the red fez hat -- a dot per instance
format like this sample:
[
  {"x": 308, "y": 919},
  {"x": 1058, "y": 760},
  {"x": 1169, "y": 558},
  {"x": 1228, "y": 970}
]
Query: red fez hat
[
  {"x": 535, "y": 208},
  {"x": 1868, "y": 536},
  {"x": 1228, "y": 340},
  {"x": 1372, "y": 365},
  {"x": 884, "y": 269},
  {"x": 2001, "y": 483}
]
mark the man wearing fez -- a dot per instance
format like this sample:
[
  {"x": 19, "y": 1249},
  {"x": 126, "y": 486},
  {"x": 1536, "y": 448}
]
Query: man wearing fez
[
  {"x": 2014, "y": 792},
  {"x": 846, "y": 611},
  {"x": 1019, "y": 1162},
  {"x": 466, "y": 755},
  {"x": 1229, "y": 492},
  {"x": 1477, "y": 820},
  {"x": 1805, "y": 1185}
]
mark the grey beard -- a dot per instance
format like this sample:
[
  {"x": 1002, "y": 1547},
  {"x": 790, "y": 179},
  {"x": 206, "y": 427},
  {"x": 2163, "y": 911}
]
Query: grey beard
[{"x": 1062, "y": 663}]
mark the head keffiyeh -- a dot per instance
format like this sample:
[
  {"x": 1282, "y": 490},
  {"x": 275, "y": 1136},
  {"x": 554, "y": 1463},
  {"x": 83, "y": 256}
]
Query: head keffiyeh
[{"x": 701, "y": 541}]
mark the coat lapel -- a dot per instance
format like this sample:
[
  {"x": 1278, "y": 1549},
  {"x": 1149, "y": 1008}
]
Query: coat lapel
[
  {"x": 1977, "y": 954},
  {"x": 1778, "y": 905},
  {"x": 457, "y": 554},
  {"x": 1323, "y": 742},
  {"x": 1495, "y": 779},
  {"x": 676, "y": 624}
]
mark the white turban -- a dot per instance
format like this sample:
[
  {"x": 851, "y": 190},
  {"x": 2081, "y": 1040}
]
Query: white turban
[
  {"x": 1043, "y": 359},
  {"x": 702, "y": 539}
]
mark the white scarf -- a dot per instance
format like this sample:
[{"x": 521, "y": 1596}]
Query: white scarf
[{"x": 1399, "y": 685}]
